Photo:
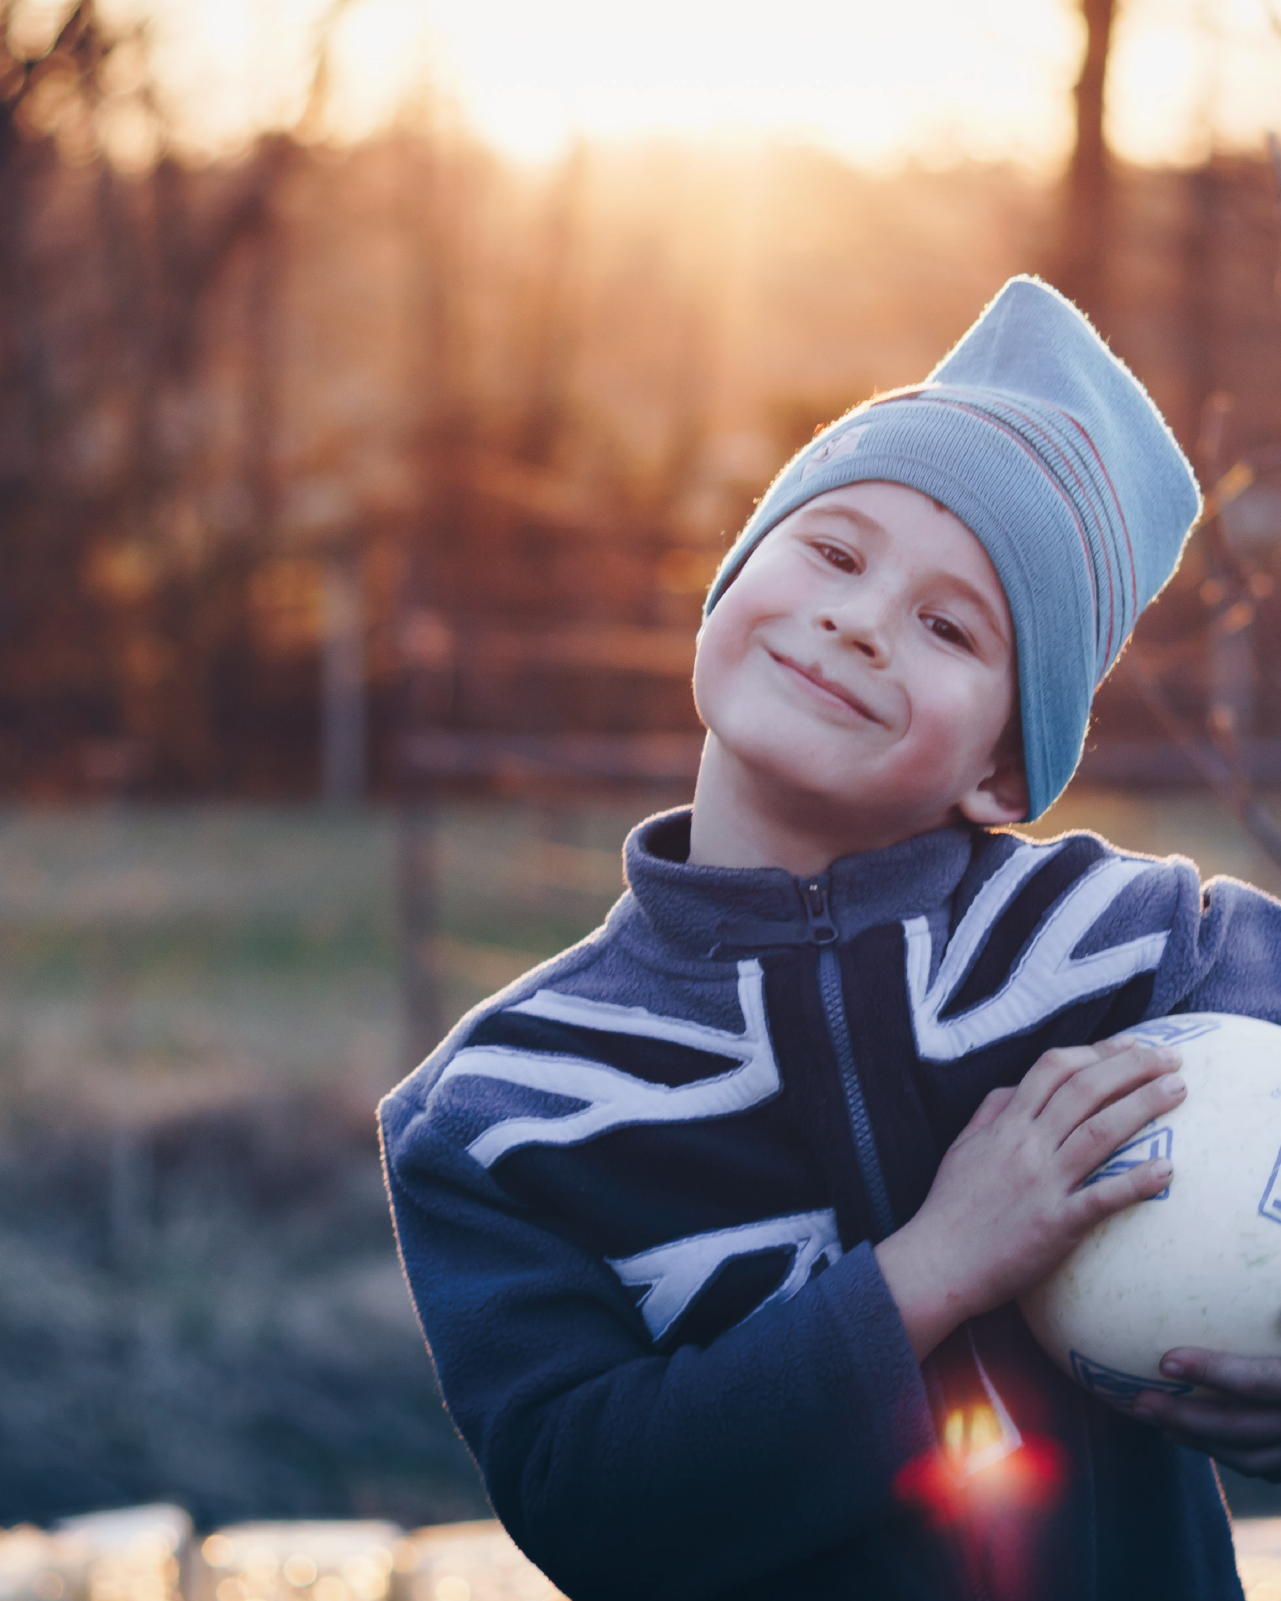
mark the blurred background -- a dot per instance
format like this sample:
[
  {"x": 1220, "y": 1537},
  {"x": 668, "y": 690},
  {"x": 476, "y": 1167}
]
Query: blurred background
[{"x": 380, "y": 383}]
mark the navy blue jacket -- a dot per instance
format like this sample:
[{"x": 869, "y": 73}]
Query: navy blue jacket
[{"x": 636, "y": 1195}]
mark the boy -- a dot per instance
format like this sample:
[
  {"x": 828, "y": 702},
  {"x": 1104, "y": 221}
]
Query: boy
[{"x": 715, "y": 1221}]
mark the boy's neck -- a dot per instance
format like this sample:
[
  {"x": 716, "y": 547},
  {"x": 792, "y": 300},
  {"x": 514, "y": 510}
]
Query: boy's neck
[{"x": 743, "y": 819}]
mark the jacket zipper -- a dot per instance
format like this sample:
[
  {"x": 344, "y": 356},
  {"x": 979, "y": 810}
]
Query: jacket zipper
[{"x": 823, "y": 933}]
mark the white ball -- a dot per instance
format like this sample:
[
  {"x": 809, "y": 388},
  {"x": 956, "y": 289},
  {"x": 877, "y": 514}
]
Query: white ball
[{"x": 1200, "y": 1263}]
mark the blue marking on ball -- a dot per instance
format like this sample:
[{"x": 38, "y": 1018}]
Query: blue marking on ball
[
  {"x": 1144, "y": 1147},
  {"x": 1112, "y": 1384},
  {"x": 1270, "y": 1204},
  {"x": 1174, "y": 1030}
]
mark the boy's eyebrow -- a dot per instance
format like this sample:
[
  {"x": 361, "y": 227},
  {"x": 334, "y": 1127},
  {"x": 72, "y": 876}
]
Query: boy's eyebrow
[{"x": 852, "y": 514}]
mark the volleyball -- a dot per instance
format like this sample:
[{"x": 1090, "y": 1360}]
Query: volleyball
[{"x": 1200, "y": 1262}]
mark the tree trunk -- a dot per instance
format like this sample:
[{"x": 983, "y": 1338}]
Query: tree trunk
[
  {"x": 343, "y": 679},
  {"x": 1082, "y": 273}
]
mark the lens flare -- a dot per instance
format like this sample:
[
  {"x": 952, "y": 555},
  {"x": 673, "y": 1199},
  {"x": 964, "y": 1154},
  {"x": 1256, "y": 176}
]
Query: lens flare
[{"x": 971, "y": 1471}]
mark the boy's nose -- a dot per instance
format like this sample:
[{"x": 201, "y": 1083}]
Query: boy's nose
[{"x": 861, "y": 624}]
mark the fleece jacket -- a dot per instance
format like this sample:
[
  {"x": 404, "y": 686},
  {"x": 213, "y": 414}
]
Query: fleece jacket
[{"x": 636, "y": 1195}]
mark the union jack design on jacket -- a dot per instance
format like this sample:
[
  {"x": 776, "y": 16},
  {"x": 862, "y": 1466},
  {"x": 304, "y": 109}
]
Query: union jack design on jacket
[{"x": 636, "y": 1195}]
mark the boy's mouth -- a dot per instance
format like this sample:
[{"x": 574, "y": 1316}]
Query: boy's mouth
[{"x": 828, "y": 686}]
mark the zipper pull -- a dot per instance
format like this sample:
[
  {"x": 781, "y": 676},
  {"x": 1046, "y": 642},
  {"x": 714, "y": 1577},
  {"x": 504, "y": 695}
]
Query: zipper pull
[{"x": 822, "y": 928}]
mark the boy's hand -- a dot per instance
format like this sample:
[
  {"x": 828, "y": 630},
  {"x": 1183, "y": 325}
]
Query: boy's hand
[
  {"x": 1243, "y": 1429},
  {"x": 1006, "y": 1205}
]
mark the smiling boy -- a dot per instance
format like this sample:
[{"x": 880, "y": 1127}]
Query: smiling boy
[
  {"x": 860, "y": 671},
  {"x": 715, "y": 1221}
]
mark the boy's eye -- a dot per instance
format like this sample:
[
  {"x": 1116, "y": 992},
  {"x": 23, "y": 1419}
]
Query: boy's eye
[
  {"x": 836, "y": 556},
  {"x": 946, "y": 629}
]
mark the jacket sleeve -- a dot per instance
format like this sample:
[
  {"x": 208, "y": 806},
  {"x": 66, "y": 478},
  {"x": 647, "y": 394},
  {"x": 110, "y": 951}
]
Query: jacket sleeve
[
  {"x": 621, "y": 1472},
  {"x": 1224, "y": 948}
]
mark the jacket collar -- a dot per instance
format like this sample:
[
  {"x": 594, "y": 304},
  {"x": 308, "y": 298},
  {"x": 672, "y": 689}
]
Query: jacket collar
[{"x": 725, "y": 911}]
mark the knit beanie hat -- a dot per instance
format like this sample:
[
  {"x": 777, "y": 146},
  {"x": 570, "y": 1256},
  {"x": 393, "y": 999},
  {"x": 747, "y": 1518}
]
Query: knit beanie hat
[{"x": 1050, "y": 451}]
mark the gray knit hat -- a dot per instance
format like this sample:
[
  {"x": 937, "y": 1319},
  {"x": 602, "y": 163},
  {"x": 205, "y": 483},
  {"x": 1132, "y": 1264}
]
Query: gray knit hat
[{"x": 1048, "y": 448}]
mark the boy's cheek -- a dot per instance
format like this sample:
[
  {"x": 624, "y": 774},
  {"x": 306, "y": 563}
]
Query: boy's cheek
[
  {"x": 963, "y": 719},
  {"x": 714, "y": 671},
  {"x": 723, "y": 658}
]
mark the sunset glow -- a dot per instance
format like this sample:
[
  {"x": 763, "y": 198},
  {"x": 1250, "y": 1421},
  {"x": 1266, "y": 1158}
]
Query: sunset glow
[{"x": 925, "y": 79}]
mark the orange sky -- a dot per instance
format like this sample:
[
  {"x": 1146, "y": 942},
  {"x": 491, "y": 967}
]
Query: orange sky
[{"x": 937, "y": 79}]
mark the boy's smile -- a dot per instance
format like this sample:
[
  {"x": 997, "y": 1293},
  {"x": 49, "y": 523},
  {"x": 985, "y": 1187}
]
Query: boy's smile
[
  {"x": 825, "y": 688},
  {"x": 856, "y": 679}
]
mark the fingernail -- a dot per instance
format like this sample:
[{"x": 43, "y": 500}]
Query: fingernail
[
  {"x": 1167, "y": 1053},
  {"x": 1171, "y": 1368},
  {"x": 1143, "y": 1413},
  {"x": 1173, "y": 1085},
  {"x": 1161, "y": 1169}
]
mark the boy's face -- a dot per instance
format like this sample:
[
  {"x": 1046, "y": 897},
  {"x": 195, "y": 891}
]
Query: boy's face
[{"x": 860, "y": 670}]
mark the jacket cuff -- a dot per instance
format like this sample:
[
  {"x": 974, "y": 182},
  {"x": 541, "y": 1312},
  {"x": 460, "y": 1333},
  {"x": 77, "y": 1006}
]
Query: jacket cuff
[{"x": 887, "y": 1384}]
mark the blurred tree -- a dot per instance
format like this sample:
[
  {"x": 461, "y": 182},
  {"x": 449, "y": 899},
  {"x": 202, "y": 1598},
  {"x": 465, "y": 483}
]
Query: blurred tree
[
  {"x": 551, "y": 318},
  {"x": 1083, "y": 247},
  {"x": 518, "y": 407},
  {"x": 117, "y": 609},
  {"x": 50, "y": 92}
]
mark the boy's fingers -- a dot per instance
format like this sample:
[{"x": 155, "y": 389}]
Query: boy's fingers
[
  {"x": 1091, "y": 1205},
  {"x": 1049, "y": 1072},
  {"x": 991, "y": 1106},
  {"x": 1104, "y": 1084},
  {"x": 1094, "y": 1139},
  {"x": 1254, "y": 1379},
  {"x": 1210, "y": 1422}
]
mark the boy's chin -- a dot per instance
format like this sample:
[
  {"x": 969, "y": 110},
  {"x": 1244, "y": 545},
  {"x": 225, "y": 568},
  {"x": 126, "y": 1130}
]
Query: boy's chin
[
  {"x": 798, "y": 753},
  {"x": 844, "y": 804},
  {"x": 868, "y": 795}
]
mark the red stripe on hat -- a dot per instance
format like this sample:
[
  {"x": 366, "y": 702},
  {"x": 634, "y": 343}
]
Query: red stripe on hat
[
  {"x": 1116, "y": 501},
  {"x": 1013, "y": 433},
  {"x": 1039, "y": 429}
]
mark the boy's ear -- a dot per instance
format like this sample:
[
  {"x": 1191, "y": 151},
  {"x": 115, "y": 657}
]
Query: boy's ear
[{"x": 1001, "y": 798}]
